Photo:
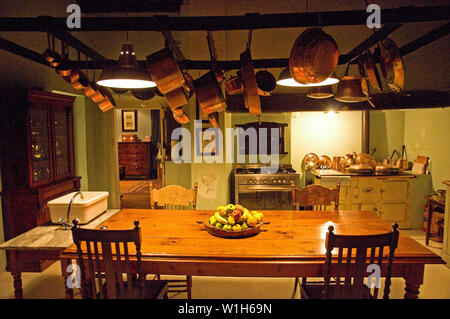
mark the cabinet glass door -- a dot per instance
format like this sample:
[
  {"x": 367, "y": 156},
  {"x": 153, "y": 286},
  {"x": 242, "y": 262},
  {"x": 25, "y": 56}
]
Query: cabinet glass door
[
  {"x": 62, "y": 156},
  {"x": 40, "y": 148}
]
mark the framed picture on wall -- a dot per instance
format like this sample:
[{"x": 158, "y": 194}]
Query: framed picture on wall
[{"x": 129, "y": 121}]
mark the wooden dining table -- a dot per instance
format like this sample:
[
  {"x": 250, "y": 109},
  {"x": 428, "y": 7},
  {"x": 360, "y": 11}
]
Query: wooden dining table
[{"x": 292, "y": 244}]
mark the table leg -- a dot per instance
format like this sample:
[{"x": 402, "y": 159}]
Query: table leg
[
  {"x": 16, "y": 274},
  {"x": 413, "y": 279},
  {"x": 18, "y": 291},
  {"x": 65, "y": 274}
]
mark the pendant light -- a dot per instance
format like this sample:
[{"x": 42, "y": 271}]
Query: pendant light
[
  {"x": 127, "y": 73},
  {"x": 320, "y": 92},
  {"x": 286, "y": 79}
]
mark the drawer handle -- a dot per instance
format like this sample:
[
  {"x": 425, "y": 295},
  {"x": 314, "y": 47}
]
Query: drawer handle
[{"x": 368, "y": 190}]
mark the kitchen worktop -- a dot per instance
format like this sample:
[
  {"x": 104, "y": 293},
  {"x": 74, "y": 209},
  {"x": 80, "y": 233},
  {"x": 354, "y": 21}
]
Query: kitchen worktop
[
  {"x": 331, "y": 172},
  {"x": 50, "y": 236}
]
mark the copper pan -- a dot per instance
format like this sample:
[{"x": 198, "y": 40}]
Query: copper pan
[
  {"x": 314, "y": 57},
  {"x": 214, "y": 119},
  {"x": 64, "y": 68},
  {"x": 188, "y": 84},
  {"x": 234, "y": 85},
  {"x": 78, "y": 80},
  {"x": 392, "y": 65},
  {"x": 180, "y": 116},
  {"x": 266, "y": 82},
  {"x": 363, "y": 75},
  {"x": 371, "y": 71},
  {"x": 50, "y": 55}
]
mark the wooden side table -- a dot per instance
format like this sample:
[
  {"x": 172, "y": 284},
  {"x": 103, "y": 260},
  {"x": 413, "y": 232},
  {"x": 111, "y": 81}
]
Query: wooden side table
[{"x": 433, "y": 202}]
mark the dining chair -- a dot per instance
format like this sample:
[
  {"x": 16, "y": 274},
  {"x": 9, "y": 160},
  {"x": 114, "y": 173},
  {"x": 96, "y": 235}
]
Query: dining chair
[
  {"x": 175, "y": 197},
  {"x": 314, "y": 197},
  {"x": 351, "y": 269},
  {"x": 108, "y": 271}
]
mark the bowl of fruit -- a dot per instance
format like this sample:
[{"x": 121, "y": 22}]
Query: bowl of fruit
[{"x": 234, "y": 221}]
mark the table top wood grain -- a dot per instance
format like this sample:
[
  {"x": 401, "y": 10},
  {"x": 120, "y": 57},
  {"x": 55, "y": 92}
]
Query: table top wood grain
[{"x": 290, "y": 236}]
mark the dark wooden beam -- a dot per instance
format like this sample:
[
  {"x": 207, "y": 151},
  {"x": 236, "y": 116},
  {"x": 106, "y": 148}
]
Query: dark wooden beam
[
  {"x": 427, "y": 38},
  {"x": 278, "y": 103},
  {"x": 21, "y": 51},
  {"x": 248, "y": 21},
  {"x": 368, "y": 43}
]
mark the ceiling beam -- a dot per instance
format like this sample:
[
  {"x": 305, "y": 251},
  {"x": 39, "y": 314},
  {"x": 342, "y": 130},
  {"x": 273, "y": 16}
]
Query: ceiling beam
[
  {"x": 301, "y": 103},
  {"x": 425, "y": 39},
  {"x": 21, "y": 51},
  {"x": 249, "y": 21},
  {"x": 368, "y": 43}
]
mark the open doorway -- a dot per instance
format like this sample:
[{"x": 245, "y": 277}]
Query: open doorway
[{"x": 138, "y": 136}]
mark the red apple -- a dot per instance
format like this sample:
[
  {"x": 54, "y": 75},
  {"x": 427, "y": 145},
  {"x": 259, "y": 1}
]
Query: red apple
[{"x": 236, "y": 214}]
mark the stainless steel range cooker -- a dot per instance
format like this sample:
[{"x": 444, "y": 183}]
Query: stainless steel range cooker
[{"x": 257, "y": 191}]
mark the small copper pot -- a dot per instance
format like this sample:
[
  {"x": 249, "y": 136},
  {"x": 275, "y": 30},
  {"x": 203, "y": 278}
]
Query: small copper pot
[{"x": 350, "y": 90}]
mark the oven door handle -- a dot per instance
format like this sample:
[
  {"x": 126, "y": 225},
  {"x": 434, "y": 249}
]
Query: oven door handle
[{"x": 263, "y": 188}]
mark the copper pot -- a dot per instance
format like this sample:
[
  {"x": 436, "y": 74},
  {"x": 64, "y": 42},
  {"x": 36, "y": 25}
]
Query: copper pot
[
  {"x": 350, "y": 90},
  {"x": 78, "y": 80},
  {"x": 234, "y": 85},
  {"x": 313, "y": 57},
  {"x": 337, "y": 163},
  {"x": 320, "y": 92}
]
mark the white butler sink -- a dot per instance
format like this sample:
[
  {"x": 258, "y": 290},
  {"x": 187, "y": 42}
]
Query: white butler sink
[{"x": 85, "y": 209}]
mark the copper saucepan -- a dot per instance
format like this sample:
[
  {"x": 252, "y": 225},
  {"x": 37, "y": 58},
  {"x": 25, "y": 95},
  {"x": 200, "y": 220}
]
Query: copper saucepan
[
  {"x": 392, "y": 65},
  {"x": 234, "y": 85},
  {"x": 50, "y": 55}
]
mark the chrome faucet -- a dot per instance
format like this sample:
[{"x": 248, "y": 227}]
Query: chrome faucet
[{"x": 67, "y": 224}]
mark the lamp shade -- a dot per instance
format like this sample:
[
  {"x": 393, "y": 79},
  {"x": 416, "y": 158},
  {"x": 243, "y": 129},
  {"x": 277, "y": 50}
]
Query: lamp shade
[
  {"x": 286, "y": 79},
  {"x": 126, "y": 74},
  {"x": 320, "y": 92}
]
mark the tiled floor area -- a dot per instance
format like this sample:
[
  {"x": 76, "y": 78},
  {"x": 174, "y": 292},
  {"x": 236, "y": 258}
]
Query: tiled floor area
[{"x": 49, "y": 284}]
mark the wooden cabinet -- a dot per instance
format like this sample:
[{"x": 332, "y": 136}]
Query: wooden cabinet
[
  {"x": 387, "y": 196},
  {"x": 37, "y": 163},
  {"x": 135, "y": 157}
]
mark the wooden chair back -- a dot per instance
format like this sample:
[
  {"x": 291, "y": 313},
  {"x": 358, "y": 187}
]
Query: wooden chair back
[
  {"x": 101, "y": 251},
  {"x": 355, "y": 267},
  {"x": 174, "y": 197},
  {"x": 315, "y": 197}
]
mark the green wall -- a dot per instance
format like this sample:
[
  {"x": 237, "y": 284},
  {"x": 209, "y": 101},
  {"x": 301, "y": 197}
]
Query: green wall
[{"x": 427, "y": 133}]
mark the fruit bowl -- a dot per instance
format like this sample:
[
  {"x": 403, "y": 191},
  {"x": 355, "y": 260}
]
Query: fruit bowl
[
  {"x": 234, "y": 221},
  {"x": 218, "y": 232}
]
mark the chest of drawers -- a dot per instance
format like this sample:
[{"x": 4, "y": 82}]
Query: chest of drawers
[{"x": 135, "y": 157}]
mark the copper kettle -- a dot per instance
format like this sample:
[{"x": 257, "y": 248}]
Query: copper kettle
[{"x": 349, "y": 160}]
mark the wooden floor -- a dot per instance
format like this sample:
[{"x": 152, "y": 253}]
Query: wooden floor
[{"x": 135, "y": 193}]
